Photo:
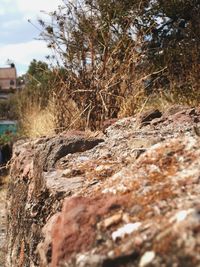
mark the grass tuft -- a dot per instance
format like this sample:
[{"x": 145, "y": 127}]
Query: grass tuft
[{"x": 37, "y": 122}]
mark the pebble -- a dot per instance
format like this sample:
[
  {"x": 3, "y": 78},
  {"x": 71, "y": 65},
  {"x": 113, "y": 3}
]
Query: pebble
[
  {"x": 181, "y": 215},
  {"x": 125, "y": 230},
  {"x": 112, "y": 220},
  {"x": 147, "y": 258}
]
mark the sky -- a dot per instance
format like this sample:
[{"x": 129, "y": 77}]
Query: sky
[{"x": 18, "y": 37}]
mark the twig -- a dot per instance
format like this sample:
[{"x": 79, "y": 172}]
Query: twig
[{"x": 79, "y": 116}]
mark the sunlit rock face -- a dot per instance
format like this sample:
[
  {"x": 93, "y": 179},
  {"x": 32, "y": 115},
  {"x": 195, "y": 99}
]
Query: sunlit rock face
[{"x": 128, "y": 197}]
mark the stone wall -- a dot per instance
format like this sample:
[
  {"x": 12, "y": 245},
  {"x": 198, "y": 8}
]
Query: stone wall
[{"x": 125, "y": 197}]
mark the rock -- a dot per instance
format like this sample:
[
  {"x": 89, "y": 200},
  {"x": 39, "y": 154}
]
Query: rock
[
  {"x": 56, "y": 148},
  {"x": 3, "y": 240},
  {"x": 148, "y": 116},
  {"x": 44, "y": 249},
  {"x": 80, "y": 215},
  {"x": 55, "y": 182},
  {"x": 111, "y": 220},
  {"x": 125, "y": 230},
  {"x": 147, "y": 258},
  {"x": 130, "y": 198}
]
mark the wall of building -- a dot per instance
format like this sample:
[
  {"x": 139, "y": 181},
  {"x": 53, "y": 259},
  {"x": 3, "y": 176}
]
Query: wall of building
[{"x": 8, "y": 78}]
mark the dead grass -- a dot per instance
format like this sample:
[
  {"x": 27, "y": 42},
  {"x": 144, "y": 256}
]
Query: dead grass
[
  {"x": 37, "y": 122},
  {"x": 68, "y": 116},
  {"x": 64, "y": 114},
  {"x": 140, "y": 102},
  {"x": 114, "y": 89},
  {"x": 60, "y": 115}
]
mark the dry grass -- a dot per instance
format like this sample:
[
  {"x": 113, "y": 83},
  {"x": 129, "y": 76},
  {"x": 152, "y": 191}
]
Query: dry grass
[
  {"x": 111, "y": 72},
  {"x": 139, "y": 102},
  {"x": 59, "y": 115},
  {"x": 64, "y": 114},
  {"x": 37, "y": 122},
  {"x": 67, "y": 114},
  {"x": 114, "y": 88}
]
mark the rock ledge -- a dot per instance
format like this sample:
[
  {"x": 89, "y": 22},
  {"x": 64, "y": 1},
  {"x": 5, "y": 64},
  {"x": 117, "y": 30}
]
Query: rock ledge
[{"x": 129, "y": 198}]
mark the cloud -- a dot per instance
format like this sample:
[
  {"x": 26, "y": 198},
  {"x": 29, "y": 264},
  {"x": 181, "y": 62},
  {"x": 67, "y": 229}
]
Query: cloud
[
  {"x": 16, "y": 34},
  {"x": 7, "y": 7},
  {"x": 28, "y": 9},
  {"x": 16, "y": 30},
  {"x": 23, "y": 53},
  {"x": 6, "y": 1},
  {"x": 2, "y": 11},
  {"x": 11, "y": 24},
  {"x": 34, "y": 7}
]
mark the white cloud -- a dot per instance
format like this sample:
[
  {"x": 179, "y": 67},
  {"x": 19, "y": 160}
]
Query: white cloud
[
  {"x": 29, "y": 8},
  {"x": 2, "y": 11},
  {"x": 7, "y": 7},
  {"x": 23, "y": 53},
  {"x": 17, "y": 34},
  {"x": 34, "y": 6},
  {"x": 12, "y": 23}
]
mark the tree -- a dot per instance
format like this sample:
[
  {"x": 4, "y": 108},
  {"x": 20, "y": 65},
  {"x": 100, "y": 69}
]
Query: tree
[
  {"x": 173, "y": 42},
  {"x": 39, "y": 84},
  {"x": 40, "y": 80}
]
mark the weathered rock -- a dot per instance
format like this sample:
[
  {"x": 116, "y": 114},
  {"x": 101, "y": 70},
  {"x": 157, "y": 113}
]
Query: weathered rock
[
  {"x": 148, "y": 116},
  {"x": 58, "y": 147},
  {"x": 35, "y": 199},
  {"x": 80, "y": 215},
  {"x": 2, "y": 224},
  {"x": 132, "y": 200}
]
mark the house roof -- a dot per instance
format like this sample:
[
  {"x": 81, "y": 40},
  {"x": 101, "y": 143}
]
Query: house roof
[{"x": 8, "y": 73}]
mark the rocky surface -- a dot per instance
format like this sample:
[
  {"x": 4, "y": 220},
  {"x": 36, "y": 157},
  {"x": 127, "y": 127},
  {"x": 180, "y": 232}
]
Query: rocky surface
[
  {"x": 2, "y": 219},
  {"x": 130, "y": 197}
]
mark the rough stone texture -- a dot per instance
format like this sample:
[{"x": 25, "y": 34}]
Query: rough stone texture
[
  {"x": 2, "y": 225},
  {"x": 148, "y": 116},
  {"x": 132, "y": 200}
]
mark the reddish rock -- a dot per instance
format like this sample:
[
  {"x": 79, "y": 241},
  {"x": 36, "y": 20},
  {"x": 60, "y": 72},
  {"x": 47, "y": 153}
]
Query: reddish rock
[
  {"x": 108, "y": 123},
  {"x": 74, "y": 230}
]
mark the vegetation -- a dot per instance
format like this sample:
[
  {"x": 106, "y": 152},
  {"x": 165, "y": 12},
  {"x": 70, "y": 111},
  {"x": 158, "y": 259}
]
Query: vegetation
[
  {"x": 7, "y": 138},
  {"x": 37, "y": 121},
  {"x": 117, "y": 57},
  {"x": 8, "y": 108},
  {"x": 32, "y": 101}
]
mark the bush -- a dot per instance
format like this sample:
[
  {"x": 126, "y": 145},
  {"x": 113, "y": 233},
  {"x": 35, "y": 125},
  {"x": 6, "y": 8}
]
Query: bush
[
  {"x": 115, "y": 58},
  {"x": 8, "y": 108},
  {"x": 118, "y": 54}
]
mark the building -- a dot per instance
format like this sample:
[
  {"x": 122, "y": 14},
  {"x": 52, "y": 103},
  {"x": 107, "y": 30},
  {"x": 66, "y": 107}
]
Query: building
[{"x": 8, "y": 78}]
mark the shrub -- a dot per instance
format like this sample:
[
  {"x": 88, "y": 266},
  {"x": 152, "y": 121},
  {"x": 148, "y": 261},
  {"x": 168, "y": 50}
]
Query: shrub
[
  {"x": 115, "y": 58},
  {"x": 119, "y": 54}
]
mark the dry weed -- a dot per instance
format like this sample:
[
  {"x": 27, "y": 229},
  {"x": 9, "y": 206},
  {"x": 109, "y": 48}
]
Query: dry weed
[{"x": 37, "y": 122}]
